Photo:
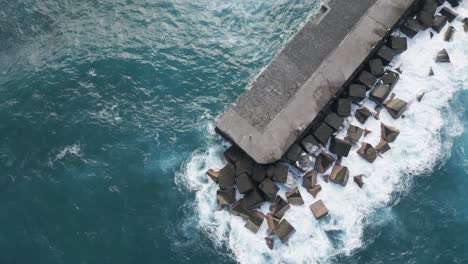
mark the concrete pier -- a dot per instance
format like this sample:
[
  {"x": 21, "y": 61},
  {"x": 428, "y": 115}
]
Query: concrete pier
[{"x": 307, "y": 74}]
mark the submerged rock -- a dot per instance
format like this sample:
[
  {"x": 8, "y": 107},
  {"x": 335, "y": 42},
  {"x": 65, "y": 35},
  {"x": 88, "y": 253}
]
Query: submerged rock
[
  {"x": 319, "y": 209},
  {"x": 279, "y": 207},
  {"x": 339, "y": 175},
  {"x": 284, "y": 230},
  {"x": 389, "y": 133},
  {"x": 294, "y": 197},
  {"x": 368, "y": 152}
]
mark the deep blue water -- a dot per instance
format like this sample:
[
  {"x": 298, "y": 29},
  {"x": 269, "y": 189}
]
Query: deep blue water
[{"x": 103, "y": 100}]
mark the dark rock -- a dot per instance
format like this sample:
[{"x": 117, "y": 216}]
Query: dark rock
[
  {"x": 284, "y": 230},
  {"x": 279, "y": 207},
  {"x": 386, "y": 54},
  {"x": 309, "y": 180},
  {"x": 293, "y": 153},
  {"x": 213, "y": 175},
  {"x": 389, "y": 133},
  {"x": 465, "y": 24},
  {"x": 425, "y": 18},
  {"x": 358, "y": 180},
  {"x": 319, "y": 209},
  {"x": 281, "y": 173},
  {"x": 390, "y": 78},
  {"x": 439, "y": 23},
  {"x": 294, "y": 197},
  {"x": 244, "y": 183},
  {"x": 310, "y": 144},
  {"x": 323, "y": 162},
  {"x": 269, "y": 189},
  {"x": 355, "y": 133},
  {"x": 376, "y": 67},
  {"x": 339, "y": 175},
  {"x": 244, "y": 166},
  {"x": 396, "y": 107},
  {"x": 367, "y": 79},
  {"x": 234, "y": 154},
  {"x": 315, "y": 190},
  {"x": 334, "y": 121},
  {"x": 449, "y": 33},
  {"x": 259, "y": 173},
  {"x": 368, "y": 152},
  {"x": 449, "y": 13},
  {"x": 270, "y": 172},
  {"x": 398, "y": 44},
  {"x": 443, "y": 57},
  {"x": 357, "y": 92},
  {"x": 380, "y": 93},
  {"x": 253, "y": 199},
  {"x": 254, "y": 221},
  {"x": 270, "y": 241},
  {"x": 340, "y": 147},
  {"x": 382, "y": 147},
  {"x": 411, "y": 27},
  {"x": 343, "y": 107},
  {"x": 362, "y": 114},
  {"x": 227, "y": 176},
  {"x": 323, "y": 133},
  {"x": 225, "y": 197},
  {"x": 454, "y": 3},
  {"x": 272, "y": 222}
]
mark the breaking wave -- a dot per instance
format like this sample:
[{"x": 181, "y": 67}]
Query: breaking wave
[{"x": 426, "y": 132}]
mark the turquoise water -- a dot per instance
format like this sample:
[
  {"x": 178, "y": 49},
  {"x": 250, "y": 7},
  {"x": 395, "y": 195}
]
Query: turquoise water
[{"x": 104, "y": 105}]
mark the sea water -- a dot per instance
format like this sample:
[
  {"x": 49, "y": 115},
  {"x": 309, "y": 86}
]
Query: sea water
[{"x": 107, "y": 129}]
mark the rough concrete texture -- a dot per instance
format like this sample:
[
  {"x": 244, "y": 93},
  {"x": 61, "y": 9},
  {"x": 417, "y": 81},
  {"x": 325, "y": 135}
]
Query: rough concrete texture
[{"x": 286, "y": 97}]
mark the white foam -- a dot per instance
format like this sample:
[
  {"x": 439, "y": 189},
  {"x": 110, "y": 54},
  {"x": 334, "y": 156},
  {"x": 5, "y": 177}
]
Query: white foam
[{"x": 416, "y": 150}]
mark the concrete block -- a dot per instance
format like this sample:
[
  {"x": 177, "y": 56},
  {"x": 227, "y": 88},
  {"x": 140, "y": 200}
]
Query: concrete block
[
  {"x": 355, "y": 133},
  {"x": 389, "y": 133},
  {"x": 368, "y": 152},
  {"x": 340, "y": 147},
  {"x": 396, "y": 107},
  {"x": 439, "y": 23},
  {"x": 411, "y": 27},
  {"x": 309, "y": 180},
  {"x": 390, "y": 78},
  {"x": 362, "y": 114},
  {"x": 367, "y": 79},
  {"x": 253, "y": 199},
  {"x": 449, "y": 33},
  {"x": 269, "y": 189},
  {"x": 315, "y": 190},
  {"x": 319, "y": 209},
  {"x": 380, "y": 93},
  {"x": 281, "y": 173},
  {"x": 279, "y": 207},
  {"x": 270, "y": 171},
  {"x": 398, "y": 44},
  {"x": 323, "y": 133},
  {"x": 227, "y": 176},
  {"x": 443, "y": 57},
  {"x": 358, "y": 180},
  {"x": 425, "y": 18},
  {"x": 386, "y": 54},
  {"x": 293, "y": 153},
  {"x": 334, "y": 121},
  {"x": 272, "y": 223},
  {"x": 310, "y": 144},
  {"x": 234, "y": 154},
  {"x": 270, "y": 242},
  {"x": 454, "y": 3},
  {"x": 294, "y": 197},
  {"x": 357, "y": 92},
  {"x": 449, "y": 13},
  {"x": 244, "y": 183},
  {"x": 214, "y": 175},
  {"x": 376, "y": 67},
  {"x": 284, "y": 230},
  {"x": 382, "y": 147},
  {"x": 259, "y": 173},
  {"x": 244, "y": 165},
  {"x": 254, "y": 221},
  {"x": 323, "y": 162},
  {"x": 225, "y": 197},
  {"x": 339, "y": 175},
  {"x": 343, "y": 107},
  {"x": 465, "y": 24}
]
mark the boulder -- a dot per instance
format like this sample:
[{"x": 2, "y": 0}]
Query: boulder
[
  {"x": 323, "y": 133},
  {"x": 376, "y": 67},
  {"x": 309, "y": 180},
  {"x": 389, "y": 133},
  {"x": 244, "y": 165},
  {"x": 323, "y": 162},
  {"x": 244, "y": 183},
  {"x": 380, "y": 93},
  {"x": 340, "y": 147},
  {"x": 439, "y": 23},
  {"x": 411, "y": 27},
  {"x": 254, "y": 221},
  {"x": 319, "y": 209},
  {"x": 284, "y": 230},
  {"x": 398, "y": 44},
  {"x": 382, "y": 147},
  {"x": 368, "y": 152},
  {"x": 465, "y": 24},
  {"x": 225, "y": 197},
  {"x": 293, "y": 153},
  {"x": 449, "y": 33},
  {"x": 315, "y": 190},
  {"x": 358, "y": 180},
  {"x": 253, "y": 199},
  {"x": 281, "y": 172},
  {"x": 386, "y": 54},
  {"x": 362, "y": 114},
  {"x": 357, "y": 92},
  {"x": 270, "y": 172},
  {"x": 213, "y": 175},
  {"x": 272, "y": 223},
  {"x": 270, "y": 241},
  {"x": 334, "y": 121},
  {"x": 396, "y": 107},
  {"x": 279, "y": 207},
  {"x": 234, "y": 154},
  {"x": 390, "y": 78},
  {"x": 294, "y": 197},
  {"x": 367, "y": 79},
  {"x": 339, "y": 175},
  {"x": 443, "y": 57},
  {"x": 258, "y": 173},
  {"x": 269, "y": 189},
  {"x": 343, "y": 107},
  {"x": 310, "y": 144},
  {"x": 448, "y": 13},
  {"x": 227, "y": 176},
  {"x": 354, "y": 133}
]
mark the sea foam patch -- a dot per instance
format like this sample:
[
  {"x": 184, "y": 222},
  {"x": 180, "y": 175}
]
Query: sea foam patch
[{"x": 416, "y": 150}]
